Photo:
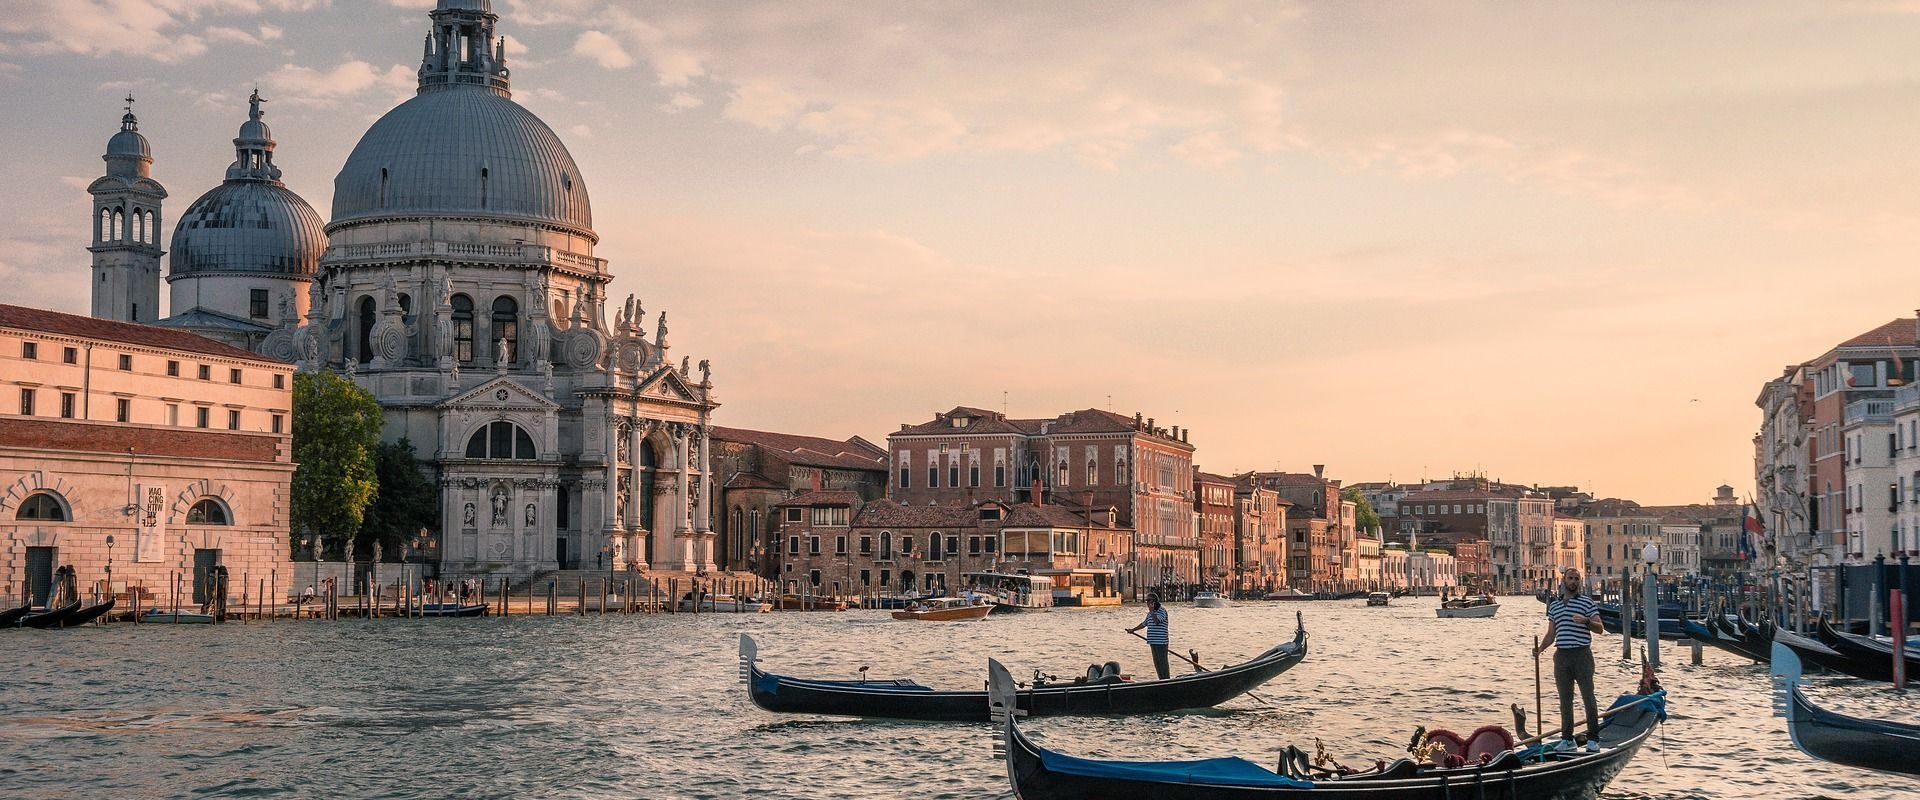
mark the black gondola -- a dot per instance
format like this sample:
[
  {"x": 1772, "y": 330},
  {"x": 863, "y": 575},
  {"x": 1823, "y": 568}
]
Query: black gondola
[
  {"x": 1867, "y": 657},
  {"x": 1815, "y": 652},
  {"x": 1534, "y": 773},
  {"x": 1706, "y": 631},
  {"x": 11, "y": 616},
  {"x": 50, "y": 618},
  {"x": 88, "y": 614},
  {"x": 450, "y": 610},
  {"x": 1107, "y": 694},
  {"x": 1670, "y": 626},
  {"x": 1825, "y": 735}
]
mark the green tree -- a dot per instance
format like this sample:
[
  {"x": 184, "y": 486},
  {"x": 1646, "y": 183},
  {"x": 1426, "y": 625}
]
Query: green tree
[
  {"x": 336, "y": 432},
  {"x": 1363, "y": 514},
  {"x": 403, "y": 503}
]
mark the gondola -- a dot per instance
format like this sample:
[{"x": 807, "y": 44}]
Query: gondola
[
  {"x": 12, "y": 615},
  {"x": 1533, "y": 772},
  {"x": 88, "y": 614},
  {"x": 1825, "y": 735},
  {"x": 1107, "y": 693},
  {"x": 1670, "y": 627},
  {"x": 50, "y": 618},
  {"x": 450, "y": 610},
  {"x": 1813, "y": 651},
  {"x": 1720, "y": 633},
  {"x": 1869, "y": 658}
]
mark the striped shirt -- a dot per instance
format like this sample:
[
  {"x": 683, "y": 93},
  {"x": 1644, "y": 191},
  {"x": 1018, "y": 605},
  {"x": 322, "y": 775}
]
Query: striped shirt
[
  {"x": 1156, "y": 623},
  {"x": 1567, "y": 633}
]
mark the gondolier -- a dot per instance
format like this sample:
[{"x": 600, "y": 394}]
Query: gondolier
[
  {"x": 1572, "y": 617},
  {"x": 1156, "y": 625}
]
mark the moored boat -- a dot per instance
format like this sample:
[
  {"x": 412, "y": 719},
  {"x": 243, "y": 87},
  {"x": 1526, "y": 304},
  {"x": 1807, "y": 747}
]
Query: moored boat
[
  {"x": 1107, "y": 693},
  {"x": 1530, "y": 772},
  {"x": 810, "y": 602},
  {"x": 450, "y": 610},
  {"x": 726, "y": 604},
  {"x": 946, "y": 609},
  {"x": 1475, "y": 606},
  {"x": 1209, "y": 600},
  {"x": 88, "y": 614},
  {"x": 11, "y": 616},
  {"x": 1868, "y": 657},
  {"x": 1288, "y": 594},
  {"x": 175, "y": 617},
  {"x": 1670, "y": 622},
  {"x": 1829, "y": 736},
  {"x": 50, "y": 618}
]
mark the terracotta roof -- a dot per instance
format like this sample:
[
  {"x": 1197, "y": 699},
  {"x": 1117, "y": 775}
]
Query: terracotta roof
[
  {"x": 983, "y": 422},
  {"x": 811, "y": 451},
  {"x": 1900, "y": 331},
  {"x": 889, "y": 514},
  {"x": 748, "y": 480},
  {"x": 1208, "y": 477},
  {"x": 1614, "y": 507},
  {"x": 1461, "y": 494},
  {"x": 1291, "y": 479},
  {"x": 54, "y": 322},
  {"x": 66, "y": 435},
  {"x": 1054, "y": 516},
  {"x": 1698, "y": 512},
  {"x": 824, "y": 498}
]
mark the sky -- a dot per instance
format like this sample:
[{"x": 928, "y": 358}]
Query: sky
[{"x": 1554, "y": 243}]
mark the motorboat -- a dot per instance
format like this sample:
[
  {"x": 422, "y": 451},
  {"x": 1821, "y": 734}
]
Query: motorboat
[
  {"x": 1378, "y": 598},
  {"x": 726, "y": 604},
  {"x": 1473, "y": 606},
  {"x": 1209, "y": 600},
  {"x": 946, "y": 609}
]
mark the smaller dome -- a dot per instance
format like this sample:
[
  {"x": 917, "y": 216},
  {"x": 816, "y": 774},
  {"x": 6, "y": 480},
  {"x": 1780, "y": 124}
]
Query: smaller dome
[
  {"x": 248, "y": 226},
  {"x": 482, "y": 6},
  {"x": 129, "y": 144},
  {"x": 254, "y": 130}
]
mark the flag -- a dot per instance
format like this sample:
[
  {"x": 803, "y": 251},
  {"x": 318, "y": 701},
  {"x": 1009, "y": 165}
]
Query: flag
[
  {"x": 1750, "y": 527},
  {"x": 1899, "y": 375}
]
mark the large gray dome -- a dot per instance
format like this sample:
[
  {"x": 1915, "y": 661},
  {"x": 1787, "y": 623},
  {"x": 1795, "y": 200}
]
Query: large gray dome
[
  {"x": 465, "y": 152},
  {"x": 248, "y": 226}
]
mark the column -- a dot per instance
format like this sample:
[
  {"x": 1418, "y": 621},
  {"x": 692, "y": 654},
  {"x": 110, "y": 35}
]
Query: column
[
  {"x": 683, "y": 534},
  {"x": 609, "y": 503},
  {"x": 704, "y": 515}
]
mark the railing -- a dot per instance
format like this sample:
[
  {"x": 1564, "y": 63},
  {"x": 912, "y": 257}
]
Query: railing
[
  {"x": 519, "y": 253},
  {"x": 1879, "y": 410}
]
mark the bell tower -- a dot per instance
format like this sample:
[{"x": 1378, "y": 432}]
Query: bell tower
[{"x": 126, "y": 229}]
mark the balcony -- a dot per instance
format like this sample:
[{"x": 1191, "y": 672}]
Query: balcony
[{"x": 1880, "y": 410}]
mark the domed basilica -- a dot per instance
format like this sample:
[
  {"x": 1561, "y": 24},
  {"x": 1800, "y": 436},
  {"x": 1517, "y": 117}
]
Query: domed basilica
[{"x": 456, "y": 281}]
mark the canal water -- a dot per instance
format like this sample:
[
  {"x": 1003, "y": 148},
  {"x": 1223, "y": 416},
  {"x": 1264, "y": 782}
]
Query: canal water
[{"x": 651, "y": 707}]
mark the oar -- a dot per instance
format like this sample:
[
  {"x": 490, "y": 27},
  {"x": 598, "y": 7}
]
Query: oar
[
  {"x": 1603, "y": 715},
  {"x": 1196, "y": 665},
  {"x": 1539, "y": 712}
]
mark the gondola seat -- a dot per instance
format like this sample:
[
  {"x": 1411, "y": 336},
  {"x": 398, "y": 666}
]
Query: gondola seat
[
  {"x": 1487, "y": 741},
  {"x": 1400, "y": 769}
]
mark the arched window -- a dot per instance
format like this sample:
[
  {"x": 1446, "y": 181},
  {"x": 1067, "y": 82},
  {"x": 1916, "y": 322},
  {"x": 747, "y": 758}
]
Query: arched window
[
  {"x": 366, "y": 329},
  {"x": 501, "y": 439},
  {"x": 463, "y": 328},
  {"x": 139, "y": 225},
  {"x": 119, "y": 225},
  {"x": 208, "y": 512},
  {"x": 106, "y": 225},
  {"x": 383, "y": 187},
  {"x": 886, "y": 545},
  {"x": 506, "y": 325},
  {"x": 483, "y": 187},
  {"x": 43, "y": 506},
  {"x": 406, "y": 304}
]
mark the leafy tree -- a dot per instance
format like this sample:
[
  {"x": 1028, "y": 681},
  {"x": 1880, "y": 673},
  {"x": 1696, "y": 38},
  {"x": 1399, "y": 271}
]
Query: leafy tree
[
  {"x": 336, "y": 431},
  {"x": 1363, "y": 514},
  {"x": 404, "y": 502}
]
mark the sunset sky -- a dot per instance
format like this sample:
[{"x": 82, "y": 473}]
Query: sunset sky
[{"x": 1558, "y": 243}]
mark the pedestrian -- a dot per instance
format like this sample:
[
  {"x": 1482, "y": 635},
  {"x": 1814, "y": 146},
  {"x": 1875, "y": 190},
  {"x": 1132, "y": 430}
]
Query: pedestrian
[
  {"x": 1156, "y": 625},
  {"x": 1572, "y": 618}
]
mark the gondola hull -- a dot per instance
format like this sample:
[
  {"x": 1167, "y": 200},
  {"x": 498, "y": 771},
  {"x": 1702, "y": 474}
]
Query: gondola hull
[
  {"x": 1866, "y": 657},
  {"x": 908, "y": 700},
  {"x": 11, "y": 616},
  {"x": 1841, "y": 739},
  {"x": 451, "y": 610},
  {"x": 50, "y": 618},
  {"x": 88, "y": 614},
  {"x": 1670, "y": 627},
  {"x": 1705, "y": 632},
  {"x": 1815, "y": 652},
  {"x": 1038, "y": 774}
]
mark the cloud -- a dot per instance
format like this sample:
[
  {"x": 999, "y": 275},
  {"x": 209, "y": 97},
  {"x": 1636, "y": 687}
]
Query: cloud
[
  {"x": 681, "y": 101},
  {"x": 602, "y": 49},
  {"x": 1207, "y": 150},
  {"x": 545, "y": 12},
  {"x": 298, "y": 85},
  {"x": 151, "y": 29},
  {"x": 221, "y": 33},
  {"x": 515, "y": 47},
  {"x": 583, "y": 131}
]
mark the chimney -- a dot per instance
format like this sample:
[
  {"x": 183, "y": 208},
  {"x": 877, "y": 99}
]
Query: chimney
[
  {"x": 1319, "y": 470},
  {"x": 1183, "y": 435},
  {"x": 1137, "y": 419},
  {"x": 1033, "y": 496},
  {"x": 1176, "y": 431},
  {"x": 1150, "y": 424}
]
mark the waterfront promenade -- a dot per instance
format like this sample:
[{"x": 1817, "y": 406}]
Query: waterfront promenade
[{"x": 627, "y": 706}]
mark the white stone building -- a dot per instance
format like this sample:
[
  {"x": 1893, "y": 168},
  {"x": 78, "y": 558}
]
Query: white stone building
[
  {"x": 1872, "y": 495},
  {"x": 456, "y": 281}
]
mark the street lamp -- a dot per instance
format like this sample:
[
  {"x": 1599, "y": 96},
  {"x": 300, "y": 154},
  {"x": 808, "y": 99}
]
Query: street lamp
[
  {"x": 109, "y": 566},
  {"x": 1651, "y": 555}
]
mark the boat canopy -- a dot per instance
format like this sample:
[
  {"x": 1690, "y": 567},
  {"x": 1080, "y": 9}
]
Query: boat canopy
[{"x": 1229, "y": 771}]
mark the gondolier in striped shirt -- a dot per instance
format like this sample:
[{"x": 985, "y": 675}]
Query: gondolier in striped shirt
[
  {"x": 1572, "y": 617},
  {"x": 1156, "y": 625}
]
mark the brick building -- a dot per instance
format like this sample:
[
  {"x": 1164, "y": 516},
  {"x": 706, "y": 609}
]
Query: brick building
[
  {"x": 1260, "y": 537},
  {"x": 175, "y": 446},
  {"x": 1316, "y": 524},
  {"x": 1087, "y": 459},
  {"x": 757, "y": 470},
  {"x": 833, "y": 542},
  {"x": 1214, "y": 507}
]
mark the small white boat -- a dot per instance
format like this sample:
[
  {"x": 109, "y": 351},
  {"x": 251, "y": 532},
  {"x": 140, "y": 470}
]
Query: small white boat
[
  {"x": 1209, "y": 600},
  {"x": 726, "y": 604},
  {"x": 1378, "y": 598},
  {"x": 1477, "y": 606}
]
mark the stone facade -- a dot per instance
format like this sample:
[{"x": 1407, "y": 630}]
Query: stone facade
[
  {"x": 833, "y": 542},
  {"x": 757, "y": 470},
  {"x": 1216, "y": 514},
  {"x": 175, "y": 446}
]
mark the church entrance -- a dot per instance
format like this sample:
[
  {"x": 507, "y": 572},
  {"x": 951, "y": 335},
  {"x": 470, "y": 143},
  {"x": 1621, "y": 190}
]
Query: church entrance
[
  {"x": 39, "y": 575},
  {"x": 560, "y": 553}
]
